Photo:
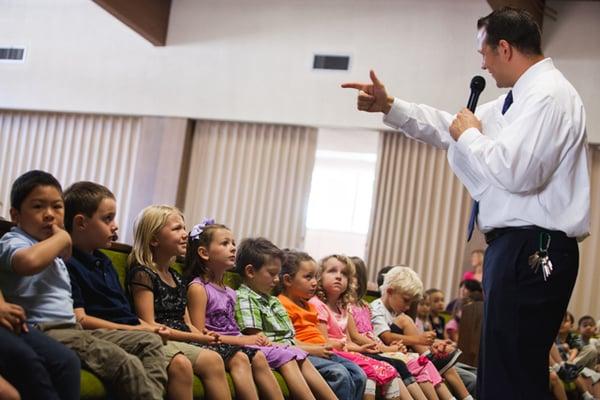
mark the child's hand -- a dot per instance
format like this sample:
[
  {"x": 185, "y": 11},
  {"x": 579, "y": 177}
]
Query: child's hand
[
  {"x": 12, "y": 317},
  {"x": 216, "y": 338},
  {"x": 337, "y": 345},
  {"x": 263, "y": 340},
  {"x": 427, "y": 338},
  {"x": 399, "y": 346},
  {"x": 65, "y": 253},
  {"x": 258, "y": 340},
  {"x": 370, "y": 348},
  {"x": 164, "y": 333}
]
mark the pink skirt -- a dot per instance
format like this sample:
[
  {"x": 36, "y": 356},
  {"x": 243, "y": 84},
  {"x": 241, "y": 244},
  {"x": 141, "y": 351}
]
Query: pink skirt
[
  {"x": 424, "y": 371},
  {"x": 379, "y": 371}
]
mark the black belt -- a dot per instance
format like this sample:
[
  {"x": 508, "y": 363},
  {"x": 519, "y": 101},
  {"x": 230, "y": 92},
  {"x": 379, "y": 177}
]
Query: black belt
[{"x": 497, "y": 232}]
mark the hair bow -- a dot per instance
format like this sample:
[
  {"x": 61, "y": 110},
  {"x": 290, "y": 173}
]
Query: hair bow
[{"x": 198, "y": 228}]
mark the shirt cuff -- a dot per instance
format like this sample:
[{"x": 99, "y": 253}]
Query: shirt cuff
[
  {"x": 398, "y": 115},
  {"x": 467, "y": 138}
]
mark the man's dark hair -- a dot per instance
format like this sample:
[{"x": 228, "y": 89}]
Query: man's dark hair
[
  {"x": 514, "y": 25},
  {"x": 256, "y": 252},
  {"x": 83, "y": 198},
  {"x": 27, "y": 182}
]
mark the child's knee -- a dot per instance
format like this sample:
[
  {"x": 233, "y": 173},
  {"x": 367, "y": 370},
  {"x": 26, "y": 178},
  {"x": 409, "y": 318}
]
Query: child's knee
[
  {"x": 180, "y": 365},
  {"x": 260, "y": 360},
  {"x": 239, "y": 360},
  {"x": 209, "y": 360}
]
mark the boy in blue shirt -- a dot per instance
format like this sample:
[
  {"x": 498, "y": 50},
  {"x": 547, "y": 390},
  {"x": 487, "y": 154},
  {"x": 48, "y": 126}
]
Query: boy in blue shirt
[{"x": 34, "y": 276}]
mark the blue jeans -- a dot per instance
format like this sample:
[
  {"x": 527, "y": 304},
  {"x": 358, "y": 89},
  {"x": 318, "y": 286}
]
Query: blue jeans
[
  {"x": 346, "y": 379},
  {"x": 38, "y": 366}
]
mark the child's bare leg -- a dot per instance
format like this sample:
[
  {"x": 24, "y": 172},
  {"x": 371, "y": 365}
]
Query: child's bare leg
[
  {"x": 558, "y": 389},
  {"x": 210, "y": 368},
  {"x": 417, "y": 391},
  {"x": 264, "y": 378},
  {"x": 443, "y": 392},
  {"x": 315, "y": 381},
  {"x": 369, "y": 390},
  {"x": 428, "y": 391},
  {"x": 457, "y": 385},
  {"x": 241, "y": 374},
  {"x": 596, "y": 390},
  {"x": 7, "y": 391},
  {"x": 295, "y": 381},
  {"x": 404, "y": 393},
  {"x": 180, "y": 378}
]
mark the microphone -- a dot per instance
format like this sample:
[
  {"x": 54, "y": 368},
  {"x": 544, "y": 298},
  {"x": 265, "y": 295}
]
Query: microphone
[{"x": 477, "y": 86}]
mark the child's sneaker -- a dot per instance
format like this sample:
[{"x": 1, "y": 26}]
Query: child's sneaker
[{"x": 444, "y": 361}]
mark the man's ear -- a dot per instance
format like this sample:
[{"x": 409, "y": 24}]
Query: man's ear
[
  {"x": 79, "y": 222},
  {"x": 203, "y": 253},
  {"x": 14, "y": 215},
  {"x": 249, "y": 271},
  {"x": 505, "y": 49}
]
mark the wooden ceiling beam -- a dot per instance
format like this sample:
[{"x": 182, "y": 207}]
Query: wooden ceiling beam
[{"x": 149, "y": 18}]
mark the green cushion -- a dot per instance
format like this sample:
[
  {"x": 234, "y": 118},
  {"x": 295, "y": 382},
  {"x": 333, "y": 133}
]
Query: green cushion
[{"x": 91, "y": 386}]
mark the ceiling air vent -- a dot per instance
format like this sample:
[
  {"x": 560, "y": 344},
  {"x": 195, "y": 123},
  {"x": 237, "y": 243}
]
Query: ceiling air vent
[
  {"x": 324, "y": 61},
  {"x": 12, "y": 54}
]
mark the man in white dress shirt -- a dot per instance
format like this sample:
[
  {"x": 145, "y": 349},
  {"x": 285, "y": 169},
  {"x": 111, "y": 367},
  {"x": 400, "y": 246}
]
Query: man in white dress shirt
[{"x": 523, "y": 159}]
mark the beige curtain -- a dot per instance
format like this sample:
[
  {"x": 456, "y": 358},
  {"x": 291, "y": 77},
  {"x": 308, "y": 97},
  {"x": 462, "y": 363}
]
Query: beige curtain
[
  {"x": 420, "y": 213},
  {"x": 255, "y": 178},
  {"x": 585, "y": 299},
  {"x": 72, "y": 147}
]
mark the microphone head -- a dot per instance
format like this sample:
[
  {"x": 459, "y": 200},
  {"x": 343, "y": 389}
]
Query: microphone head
[{"x": 477, "y": 84}]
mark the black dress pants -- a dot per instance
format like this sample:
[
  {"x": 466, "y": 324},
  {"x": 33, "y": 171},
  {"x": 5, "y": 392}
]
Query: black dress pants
[{"x": 522, "y": 314}]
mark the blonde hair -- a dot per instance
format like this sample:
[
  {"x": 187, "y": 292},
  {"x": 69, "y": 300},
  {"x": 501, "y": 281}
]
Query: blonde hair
[
  {"x": 348, "y": 295},
  {"x": 147, "y": 225},
  {"x": 403, "y": 279}
]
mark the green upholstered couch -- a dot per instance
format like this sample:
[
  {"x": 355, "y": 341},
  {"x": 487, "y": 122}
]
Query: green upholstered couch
[{"x": 91, "y": 386}]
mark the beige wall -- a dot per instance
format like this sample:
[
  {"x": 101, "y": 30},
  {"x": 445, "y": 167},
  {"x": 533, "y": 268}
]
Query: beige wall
[{"x": 250, "y": 60}]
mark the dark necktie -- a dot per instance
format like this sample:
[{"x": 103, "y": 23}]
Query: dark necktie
[{"x": 475, "y": 208}]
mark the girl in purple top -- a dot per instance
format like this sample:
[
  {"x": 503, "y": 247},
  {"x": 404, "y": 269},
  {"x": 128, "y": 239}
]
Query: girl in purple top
[{"x": 211, "y": 251}]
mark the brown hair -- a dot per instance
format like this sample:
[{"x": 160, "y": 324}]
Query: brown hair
[
  {"x": 83, "y": 198},
  {"x": 194, "y": 266}
]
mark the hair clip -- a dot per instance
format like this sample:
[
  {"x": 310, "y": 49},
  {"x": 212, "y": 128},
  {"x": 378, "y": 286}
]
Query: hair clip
[{"x": 198, "y": 228}]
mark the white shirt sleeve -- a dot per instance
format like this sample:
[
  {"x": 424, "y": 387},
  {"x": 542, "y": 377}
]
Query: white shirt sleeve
[
  {"x": 421, "y": 122},
  {"x": 378, "y": 318}
]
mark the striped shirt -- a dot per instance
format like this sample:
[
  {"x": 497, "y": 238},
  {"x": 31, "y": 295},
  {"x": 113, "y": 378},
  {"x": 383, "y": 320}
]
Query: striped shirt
[{"x": 265, "y": 313}]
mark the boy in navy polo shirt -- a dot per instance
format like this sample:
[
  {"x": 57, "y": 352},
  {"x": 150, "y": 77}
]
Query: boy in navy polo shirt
[{"x": 98, "y": 298}]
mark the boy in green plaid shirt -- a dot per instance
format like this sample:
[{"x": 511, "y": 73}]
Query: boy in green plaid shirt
[{"x": 257, "y": 312}]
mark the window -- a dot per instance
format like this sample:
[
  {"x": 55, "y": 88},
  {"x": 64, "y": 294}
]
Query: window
[{"x": 339, "y": 206}]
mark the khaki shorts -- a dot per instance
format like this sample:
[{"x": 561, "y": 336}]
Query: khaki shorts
[{"x": 172, "y": 348}]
